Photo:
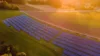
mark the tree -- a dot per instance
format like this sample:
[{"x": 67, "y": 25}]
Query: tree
[
  {"x": 55, "y": 3},
  {"x": 17, "y": 1}
]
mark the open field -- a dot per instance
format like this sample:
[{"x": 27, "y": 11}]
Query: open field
[
  {"x": 88, "y": 19},
  {"x": 82, "y": 22},
  {"x": 22, "y": 41},
  {"x": 86, "y": 23}
]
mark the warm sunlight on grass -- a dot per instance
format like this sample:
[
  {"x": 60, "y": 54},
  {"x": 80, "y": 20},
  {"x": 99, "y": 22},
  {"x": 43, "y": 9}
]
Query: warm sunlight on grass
[
  {"x": 90, "y": 19},
  {"x": 21, "y": 40}
]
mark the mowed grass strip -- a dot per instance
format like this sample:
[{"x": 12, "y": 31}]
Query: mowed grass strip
[{"x": 21, "y": 40}]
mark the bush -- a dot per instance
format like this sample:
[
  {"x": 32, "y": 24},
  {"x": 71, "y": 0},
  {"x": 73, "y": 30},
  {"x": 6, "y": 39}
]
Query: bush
[
  {"x": 13, "y": 7},
  {"x": 38, "y": 2},
  {"x": 7, "y": 6}
]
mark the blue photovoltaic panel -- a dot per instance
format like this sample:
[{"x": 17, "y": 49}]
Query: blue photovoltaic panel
[
  {"x": 94, "y": 53},
  {"x": 6, "y": 22},
  {"x": 73, "y": 50},
  {"x": 80, "y": 44},
  {"x": 13, "y": 24},
  {"x": 68, "y": 53},
  {"x": 33, "y": 27},
  {"x": 84, "y": 45},
  {"x": 78, "y": 39}
]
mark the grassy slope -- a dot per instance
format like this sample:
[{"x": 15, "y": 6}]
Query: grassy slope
[
  {"x": 22, "y": 41},
  {"x": 89, "y": 19}
]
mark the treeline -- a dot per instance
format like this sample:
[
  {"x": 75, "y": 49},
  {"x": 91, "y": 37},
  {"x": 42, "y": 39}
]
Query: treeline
[
  {"x": 54, "y": 3},
  {"x": 16, "y": 1},
  {"x": 38, "y": 2},
  {"x": 84, "y": 5},
  {"x": 7, "y": 6}
]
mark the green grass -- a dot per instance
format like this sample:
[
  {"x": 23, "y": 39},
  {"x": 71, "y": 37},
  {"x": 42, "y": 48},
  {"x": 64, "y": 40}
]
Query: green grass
[
  {"x": 87, "y": 19},
  {"x": 8, "y": 13},
  {"x": 22, "y": 41},
  {"x": 86, "y": 23}
]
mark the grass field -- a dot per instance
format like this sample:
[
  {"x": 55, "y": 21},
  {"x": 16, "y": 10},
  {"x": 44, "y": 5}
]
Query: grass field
[
  {"x": 83, "y": 22},
  {"x": 90, "y": 19},
  {"x": 22, "y": 41}
]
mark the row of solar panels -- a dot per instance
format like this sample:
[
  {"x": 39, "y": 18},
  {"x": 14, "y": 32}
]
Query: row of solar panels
[
  {"x": 32, "y": 27},
  {"x": 72, "y": 45}
]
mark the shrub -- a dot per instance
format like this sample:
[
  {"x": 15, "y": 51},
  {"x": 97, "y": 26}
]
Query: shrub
[
  {"x": 14, "y": 7},
  {"x": 7, "y": 6}
]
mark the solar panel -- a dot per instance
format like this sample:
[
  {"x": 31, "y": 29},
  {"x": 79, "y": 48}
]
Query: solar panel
[
  {"x": 82, "y": 40},
  {"x": 34, "y": 35},
  {"x": 80, "y": 45},
  {"x": 65, "y": 54},
  {"x": 45, "y": 36},
  {"x": 39, "y": 27},
  {"x": 19, "y": 23},
  {"x": 73, "y": 50},
  {"x": 28, "y": 20},
  {"x": 78, "y": 38},
  {"x": 28, "y": 30},
  {"x": 47, "y": 32},
  {"x": 6, "y": 23},
  {"x": 13, "y": 24},
  {"x": 80, "y": 48},
  {"x": 68, "y": 53},
  {"x": 23, "y": 24},
  {"x": 29, "y": 25}
]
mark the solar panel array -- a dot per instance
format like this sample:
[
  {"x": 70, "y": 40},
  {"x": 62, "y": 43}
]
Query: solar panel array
[
  {"x": 32, "y": 27},
  {"x": 77, "y": 46},
  {"x": 73, "y": 45}
]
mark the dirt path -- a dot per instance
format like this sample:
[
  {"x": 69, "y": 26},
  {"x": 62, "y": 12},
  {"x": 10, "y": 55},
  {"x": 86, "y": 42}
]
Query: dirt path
[{"x": 48, "y": 17}]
